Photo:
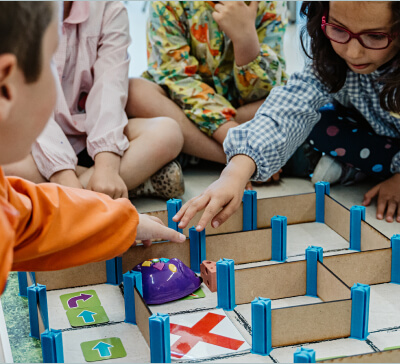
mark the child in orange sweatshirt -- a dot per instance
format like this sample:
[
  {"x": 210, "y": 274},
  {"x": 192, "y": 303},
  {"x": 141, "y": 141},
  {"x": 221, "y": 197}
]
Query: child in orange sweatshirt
[{"x": 42, "y": 227}]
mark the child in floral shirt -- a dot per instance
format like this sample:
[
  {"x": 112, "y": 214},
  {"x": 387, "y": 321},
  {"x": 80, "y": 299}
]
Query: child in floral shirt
[{"x": 216, "y": 62}]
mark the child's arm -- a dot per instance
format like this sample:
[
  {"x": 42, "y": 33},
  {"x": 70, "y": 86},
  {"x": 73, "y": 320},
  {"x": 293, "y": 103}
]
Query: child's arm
[
  {"x": 54, "y": 156},
  {"x": 105, "y": 106},
  {"x": 260, "y": 147},
  {"x": 171, "y": 64},
  {"x": 48, "y": 227},
  {"x": 257, "y": 32}
]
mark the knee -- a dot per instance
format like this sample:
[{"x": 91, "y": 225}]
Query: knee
[{"x": 168, "y": 137}]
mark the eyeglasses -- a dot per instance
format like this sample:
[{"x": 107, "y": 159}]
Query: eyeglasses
[{"x": 370, "y": 40}]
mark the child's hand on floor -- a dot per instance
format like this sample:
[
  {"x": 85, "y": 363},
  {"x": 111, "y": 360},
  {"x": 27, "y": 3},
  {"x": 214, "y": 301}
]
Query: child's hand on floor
[
  {"x": 222, "y": 198},
  {"x": 151, "y": 228},
  {"x": 388, "y": 193},
  {"x": 66, "y": 177}
]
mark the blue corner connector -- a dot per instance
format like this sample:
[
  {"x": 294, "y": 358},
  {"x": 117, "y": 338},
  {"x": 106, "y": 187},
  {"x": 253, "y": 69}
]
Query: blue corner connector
[
  {"x": 114, "y": 271},
  {"x": 160, "y": 349},
  {"x": 321, "y": 189},
  {"x": 357, "y": 213},
  {"x": 313, "y": 255},
  {"x": 395, "y": 244},
  {"x": 360, "y": 294},
  {"x": 226, "y": 284},
  {"x": 37, "y": 298},
  {"x": 197, "y": 248},
  {"x": 23, "y": 283},
  {"x": 52, "y": 346},
  {"x": 279, "y": 240},
  {"x": 173, "y": 206},
  {"x": 249, "y": 210},
  {"x": 304, "y": 355},
  {"x": 131, "y": 280},
  {"x": 261, "y": 326}
]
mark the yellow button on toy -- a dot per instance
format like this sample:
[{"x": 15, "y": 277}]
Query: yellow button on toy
[
  {"x": 172, "y": 268},
  {"x": 146, "y": 264}
]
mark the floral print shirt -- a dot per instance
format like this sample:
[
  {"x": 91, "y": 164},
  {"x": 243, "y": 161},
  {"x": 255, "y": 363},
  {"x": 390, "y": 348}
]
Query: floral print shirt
[{"x": 194, "y": 60}]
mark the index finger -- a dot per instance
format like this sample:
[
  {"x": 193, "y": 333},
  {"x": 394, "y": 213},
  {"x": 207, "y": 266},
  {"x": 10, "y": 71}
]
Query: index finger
[{"x": 212, "y": 209}]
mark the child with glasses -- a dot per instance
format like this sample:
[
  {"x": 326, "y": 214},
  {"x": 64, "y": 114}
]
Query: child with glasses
[{"x": 346, "y": 102}]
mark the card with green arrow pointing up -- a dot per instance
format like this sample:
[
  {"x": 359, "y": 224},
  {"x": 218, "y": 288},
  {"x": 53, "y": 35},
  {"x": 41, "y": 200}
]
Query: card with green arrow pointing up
[
  {"x": 87, "y": 316},
  {"x": 110, "y": 348}
]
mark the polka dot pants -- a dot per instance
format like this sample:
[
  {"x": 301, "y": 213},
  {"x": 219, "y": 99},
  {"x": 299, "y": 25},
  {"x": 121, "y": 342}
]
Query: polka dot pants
[{"x": 345, "y": 135}]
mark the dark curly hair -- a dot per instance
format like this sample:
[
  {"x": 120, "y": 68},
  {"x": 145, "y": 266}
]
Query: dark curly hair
[
  {"x": 332, "y": 69},
  {"x": 22, "y": 27}
]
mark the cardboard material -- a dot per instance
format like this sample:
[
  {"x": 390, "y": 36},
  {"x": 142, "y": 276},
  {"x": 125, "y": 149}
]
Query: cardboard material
[
  {"x": 303, "y": 324},
  {"x": 243, "y": 247},
  {"x": 337, "y": 217},
  {"x": 390, "y": 356},
  {"x": 329, "y": 286},
  {"x": 372, "y": 238},
  {"x": 84, "y": 275},
  {"x": 371, "y": 267},
  {"x": 143, "y": 313},
  {"x": 297, "y": 209},
  {"x": 272, "y": 281},
  {"x": 139, "y": 254}
]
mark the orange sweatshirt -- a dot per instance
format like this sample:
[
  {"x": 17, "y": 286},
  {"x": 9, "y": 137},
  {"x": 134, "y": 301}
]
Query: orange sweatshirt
[{"x": 48, "y": 227}]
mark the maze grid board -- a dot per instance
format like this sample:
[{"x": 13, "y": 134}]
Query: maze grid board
[{"x": 302, "y": 231}]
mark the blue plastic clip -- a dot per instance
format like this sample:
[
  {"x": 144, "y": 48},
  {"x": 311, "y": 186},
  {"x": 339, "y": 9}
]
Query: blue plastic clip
[
  {"x": 52, "y": 346},
  {"x": 173, "y": 206},
  {"x": 226, "y": 284},
  {"x": 249, "y": 210},
  {"x": 304, "y": 355},
  {"x": 279, "y": 241},
  {"x": 23, "y": 283},
  {"x": 261, "y": 326},
  {"x": 313, "y": 255},
  {"x": 114, "y": 271},
  {"x": 37, "y": 298},
  {"x": 359, "y": 311},
  {"x": 160, "y": 349},
  {"x": 131, "y": 280},
  {"x": 395, "y": 244},
  {"x": 357, "y": 213},
  {"x": 197, "y": 248},
  {"x": 321, "y": 189}
]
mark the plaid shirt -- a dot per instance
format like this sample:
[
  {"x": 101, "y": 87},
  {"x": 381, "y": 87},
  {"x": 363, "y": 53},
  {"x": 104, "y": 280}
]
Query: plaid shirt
[{"x": 290, "y": 112}]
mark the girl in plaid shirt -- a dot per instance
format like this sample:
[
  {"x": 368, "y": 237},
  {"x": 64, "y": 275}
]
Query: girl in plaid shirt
[{"x": 355, "y": 62}]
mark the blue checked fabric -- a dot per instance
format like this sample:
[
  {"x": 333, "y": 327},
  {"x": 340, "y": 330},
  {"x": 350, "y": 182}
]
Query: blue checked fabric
[{"x": 290, "y": 112}]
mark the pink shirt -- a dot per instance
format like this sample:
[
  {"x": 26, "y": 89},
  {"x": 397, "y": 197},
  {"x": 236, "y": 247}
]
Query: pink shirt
[{"x": 92, "y": 58}]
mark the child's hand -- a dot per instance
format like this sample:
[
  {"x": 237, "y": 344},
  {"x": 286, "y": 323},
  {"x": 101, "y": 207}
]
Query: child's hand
[
  {"x": 222, "y": 198},
  {"x": 151, "y": 227},
  {"x": 236, "y": 19},
  {"x": 66, "y": 177},
  {"x": 106, "y": 178},
  {"x": 388, "y": 198},
  {"x": 109, "y": 183}
]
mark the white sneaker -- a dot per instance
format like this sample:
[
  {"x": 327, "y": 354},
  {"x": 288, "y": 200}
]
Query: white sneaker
[{"x": 327, "y": 170}]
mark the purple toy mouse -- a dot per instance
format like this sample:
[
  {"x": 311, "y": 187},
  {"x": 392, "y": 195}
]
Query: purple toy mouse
[{"x": 166, "y": 280}]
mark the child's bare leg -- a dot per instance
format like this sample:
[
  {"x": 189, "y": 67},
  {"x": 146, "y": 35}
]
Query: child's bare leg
[
  {"x": 153, "y": 143},
  {"x": 25, "y": 168},
  {"x": 147, "y": 99},
  {"x": 247, "y": 112}
]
